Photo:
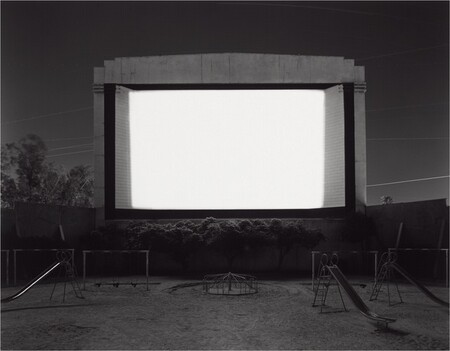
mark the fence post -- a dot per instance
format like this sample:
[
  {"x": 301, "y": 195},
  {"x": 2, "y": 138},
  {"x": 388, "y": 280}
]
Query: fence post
[
  {"x": 146, "y": 266},
  {"x": 15, "y": 267},
  {"x": 84, "y": 270}
]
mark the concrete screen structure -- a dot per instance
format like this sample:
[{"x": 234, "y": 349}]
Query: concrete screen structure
[{"x": 229, "y": 135}]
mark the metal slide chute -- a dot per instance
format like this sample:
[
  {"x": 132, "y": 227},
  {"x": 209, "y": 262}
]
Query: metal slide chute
[
  {"x": 32, "y": 283},
  {"x": 355, "y": 298},
  {"x": 421, "y": 287}
]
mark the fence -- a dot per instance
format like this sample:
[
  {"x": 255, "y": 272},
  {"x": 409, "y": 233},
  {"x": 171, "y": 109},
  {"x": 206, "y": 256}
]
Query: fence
[
  {"x": 425, "y": 265},
  {"x": 5, "y": 254},
  {"x": 38, "y": 266}
]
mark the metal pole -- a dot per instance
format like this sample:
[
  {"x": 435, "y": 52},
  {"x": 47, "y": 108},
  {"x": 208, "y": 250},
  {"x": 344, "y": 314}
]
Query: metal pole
[
  {"x": 84, "y": 270},
  {"x": 7, "y": 268},
  {"x": 146, "y": 266},
  {"x": 376, "y": 266},
  {"x": 446, "y": 268},
  {"x": 15, "y": 267},
  {"x": 312, "y": 269},
  {"x": 73, "y": 258}
]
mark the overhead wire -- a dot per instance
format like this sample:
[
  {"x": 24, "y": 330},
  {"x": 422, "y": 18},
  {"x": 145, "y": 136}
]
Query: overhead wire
[
  {"x": 49, "y": 115},
  {"x": 407, "y": 181},
  {"x": 64, "y": 139},
  {"x": 332, "y": 9},
  {"x": 70, "y": 147},
  {"x": 71, "y": 153},
  {"x": 400, "y": 52}
]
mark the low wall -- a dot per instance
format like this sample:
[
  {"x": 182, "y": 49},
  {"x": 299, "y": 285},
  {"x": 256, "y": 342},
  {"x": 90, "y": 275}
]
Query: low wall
[
  {"x": 38, "y": 220},
  {"x": 422, "y": 223}
]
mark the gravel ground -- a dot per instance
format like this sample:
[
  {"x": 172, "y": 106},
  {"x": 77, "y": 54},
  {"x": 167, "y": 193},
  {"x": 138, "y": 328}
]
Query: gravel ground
[{"x": 176, "y": 314}]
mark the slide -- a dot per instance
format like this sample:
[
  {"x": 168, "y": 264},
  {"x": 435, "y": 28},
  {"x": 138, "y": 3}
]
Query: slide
[
  {"x": 32, "y": 283},
  {"x": 421, "y": 287},
  {"x": 356, "y": 299}
]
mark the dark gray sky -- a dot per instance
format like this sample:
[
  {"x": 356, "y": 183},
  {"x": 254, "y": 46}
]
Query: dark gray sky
[{"x": 49, "y": 49}]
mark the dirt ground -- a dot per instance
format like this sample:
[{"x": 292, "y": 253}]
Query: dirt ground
[{"x": 279, "y": 316}]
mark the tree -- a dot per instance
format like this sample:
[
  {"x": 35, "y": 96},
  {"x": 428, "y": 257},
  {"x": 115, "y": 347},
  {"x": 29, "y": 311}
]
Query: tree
[
  {"x": 179, "y": 240},
  {"x": 311, "y": 238},
  {"x": 27, "y": 159},
  {"x": 232, "y": 238},
  {"x": 285, "y": 236},
  {"x": 78, "y": 187},
  {"x": 255, "y": 232},
  {"x": 28, "y": 177},
  {"x": 386, "y": 200},
  {"x": 10, "y": 193},
  {"x": 183, "y": 242},
  {"x": 225, "y": 238}
]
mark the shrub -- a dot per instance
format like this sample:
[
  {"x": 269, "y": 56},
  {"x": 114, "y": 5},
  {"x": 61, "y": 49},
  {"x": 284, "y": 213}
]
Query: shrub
[
  {"x": 233, "y": 237},
  {"x": 109, "y": 237},
  {"x": 179, "y": 240},
  {"x": 289, "y": 234},
  {"x": 183, "y": 239},
  {"x": 311, "y": 238}
]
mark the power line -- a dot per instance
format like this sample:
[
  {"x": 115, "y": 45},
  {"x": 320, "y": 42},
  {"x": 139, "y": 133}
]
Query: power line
[
  {"x": 70, "y": 153},
  {"x": 70, "y": 147},
  {"x": 63, "y": 139},
  {"x": 401, "y": 52},
  {"x": 333, "y": 9},
  {"x": 407, "y": 181},
  {"x": 49, "y": 115},
  {"x": 334, "y": 33}
]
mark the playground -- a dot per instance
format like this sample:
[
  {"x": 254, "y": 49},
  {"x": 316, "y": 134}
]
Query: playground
[{"x": 178, "y": 314}]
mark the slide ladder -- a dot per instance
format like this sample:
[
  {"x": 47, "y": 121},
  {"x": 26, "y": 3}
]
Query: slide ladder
[
  {"x": 335, "y": 273},
  {"x": 385, "y": 275},
  {"x": 324, "y": 281},
  {"x": 65, "y": 262},
  {"x": 70, "y": 275}
]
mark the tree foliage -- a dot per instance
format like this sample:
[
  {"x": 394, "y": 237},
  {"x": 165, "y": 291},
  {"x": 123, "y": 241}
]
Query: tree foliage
[
  {"x": 386, "y": 200},
  {"x": 179, "y": 240},
  {"x": 226, "y": 238},
  {"x": 231, "y": 238},
  {"x": 27, "y": 176},
  {"x": 287, "y": 235}
]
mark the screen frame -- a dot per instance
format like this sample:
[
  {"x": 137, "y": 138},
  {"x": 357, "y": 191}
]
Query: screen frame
[{"x": 111, "y": 212}]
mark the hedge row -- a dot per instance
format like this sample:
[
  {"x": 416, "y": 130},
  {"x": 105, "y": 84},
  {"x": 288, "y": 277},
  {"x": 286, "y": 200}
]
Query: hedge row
[{"x": 230, "y": 238}]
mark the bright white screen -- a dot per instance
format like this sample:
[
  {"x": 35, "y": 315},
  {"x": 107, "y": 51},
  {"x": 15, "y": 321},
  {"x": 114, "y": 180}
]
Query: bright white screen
[{"x": 226, "y": 149}]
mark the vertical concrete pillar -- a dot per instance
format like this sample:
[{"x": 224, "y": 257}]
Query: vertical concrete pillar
[
  {"x": 360, "y": 147},
  {"x": 99, "y": 146}
]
